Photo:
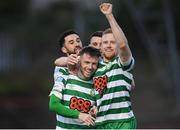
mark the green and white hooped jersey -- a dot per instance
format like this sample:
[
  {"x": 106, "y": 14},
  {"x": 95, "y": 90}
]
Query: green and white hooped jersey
[
  {"x": 74, "y": 93},
  {"x": 112, "y": 83}
]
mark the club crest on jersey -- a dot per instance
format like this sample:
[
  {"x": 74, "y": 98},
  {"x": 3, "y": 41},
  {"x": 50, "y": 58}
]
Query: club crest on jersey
[
  {"x": 100, "y": 83},
  {"x": 92, "y": 93}
]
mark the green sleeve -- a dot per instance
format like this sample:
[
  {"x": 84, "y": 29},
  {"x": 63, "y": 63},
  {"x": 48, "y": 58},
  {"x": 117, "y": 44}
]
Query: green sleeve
[{"x": 58, "y": 108}]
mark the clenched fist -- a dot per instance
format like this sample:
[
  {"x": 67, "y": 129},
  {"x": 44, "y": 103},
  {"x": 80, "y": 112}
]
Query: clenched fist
[{"x": 106, "y": 8}]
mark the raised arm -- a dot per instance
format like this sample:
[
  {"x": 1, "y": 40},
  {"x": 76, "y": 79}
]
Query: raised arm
[
  {"x": 65, "y": 61},
  {"x": 125, "y": 52},
  {"x": 71, "y": 61},
  {"x": 61, "y": 61}
]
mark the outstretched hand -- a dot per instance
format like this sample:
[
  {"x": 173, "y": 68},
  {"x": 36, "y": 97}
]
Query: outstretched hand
[
  {"x": 87, "y": 119},
  {"x": 73, "y": 59},
  {"x": 106, "y": 8},
  {"x": 93, "y": 111},
  {"x": 72, "y": 62}
]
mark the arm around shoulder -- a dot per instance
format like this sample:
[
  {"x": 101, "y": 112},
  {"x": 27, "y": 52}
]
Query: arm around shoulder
[{"x": 61, "y": 61}]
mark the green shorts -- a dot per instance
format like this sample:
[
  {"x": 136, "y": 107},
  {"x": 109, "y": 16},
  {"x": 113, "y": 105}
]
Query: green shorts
[{"x": 128, "y": 124}]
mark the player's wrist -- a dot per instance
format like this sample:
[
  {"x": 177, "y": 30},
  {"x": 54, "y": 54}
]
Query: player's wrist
[
  {"x": 109, "y": 16},
  {"x": 79, "y": 115}
]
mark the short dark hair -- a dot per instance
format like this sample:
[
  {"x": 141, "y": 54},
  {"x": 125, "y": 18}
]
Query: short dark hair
[
  {"x": 91, "y": 51},
  {"x": 63, "y": 35},
  {"x": 96, "y": 34}
]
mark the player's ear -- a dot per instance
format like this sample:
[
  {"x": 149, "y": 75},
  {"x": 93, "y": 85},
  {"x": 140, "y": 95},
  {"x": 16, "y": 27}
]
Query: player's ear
[{"x": 64, "y": 50}]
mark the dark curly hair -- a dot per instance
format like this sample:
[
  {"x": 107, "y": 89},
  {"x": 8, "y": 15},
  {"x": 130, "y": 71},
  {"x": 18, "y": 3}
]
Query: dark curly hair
[{"x": 63, "y": 35}]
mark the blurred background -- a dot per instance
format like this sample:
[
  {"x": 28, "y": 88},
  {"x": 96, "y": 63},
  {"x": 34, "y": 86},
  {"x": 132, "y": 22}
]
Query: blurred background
[{"x": 28, "y": 48}]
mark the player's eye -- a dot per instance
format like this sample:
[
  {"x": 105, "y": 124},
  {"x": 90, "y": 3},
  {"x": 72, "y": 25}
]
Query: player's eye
[
  {"x": 78, "y": 40},
  {"x": 95, "y": 43}
]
